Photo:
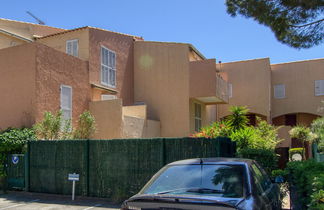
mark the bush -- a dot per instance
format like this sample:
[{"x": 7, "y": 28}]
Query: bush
[
  {"x": 86, "y": 126},
  {"x": 308, "y": 179},
  {"x": 265, "y": 157},
  {"x": 13, "y": 140}
]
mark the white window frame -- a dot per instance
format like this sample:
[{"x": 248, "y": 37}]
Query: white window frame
[
  {"x": 275, "y": 91},
  {"x": 109, "y": 68},
  {"x": 61, "y": 101},
  {"x": 73, "y": 41},
  {"x": 197, "y": 119},
  {"x": 319, "y": 87}
]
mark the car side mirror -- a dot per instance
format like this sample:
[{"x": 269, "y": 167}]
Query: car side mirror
[{"x": 279, "y": 179}]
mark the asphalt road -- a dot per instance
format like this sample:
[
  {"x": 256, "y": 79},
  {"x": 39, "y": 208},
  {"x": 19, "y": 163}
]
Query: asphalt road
[{"x": 37, "y": 201}]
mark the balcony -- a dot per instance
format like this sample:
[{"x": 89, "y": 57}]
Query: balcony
[{"x": 206, "y": 85}]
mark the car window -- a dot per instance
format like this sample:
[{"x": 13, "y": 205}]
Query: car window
[
  {"x": 218, "y": 180},
  {"x": 260, "y": 179}
]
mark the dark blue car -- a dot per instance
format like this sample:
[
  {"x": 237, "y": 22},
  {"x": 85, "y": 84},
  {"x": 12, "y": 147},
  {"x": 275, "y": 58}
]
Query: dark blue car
[{"x": 208, "y": 183}]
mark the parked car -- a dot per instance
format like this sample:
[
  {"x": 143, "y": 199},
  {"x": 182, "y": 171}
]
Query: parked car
[{"x": 208, "y": 183}]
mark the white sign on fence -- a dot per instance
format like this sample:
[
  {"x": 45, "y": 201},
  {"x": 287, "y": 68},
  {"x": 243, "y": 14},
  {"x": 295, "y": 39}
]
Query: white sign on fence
[{"x": 73, "y": 177}]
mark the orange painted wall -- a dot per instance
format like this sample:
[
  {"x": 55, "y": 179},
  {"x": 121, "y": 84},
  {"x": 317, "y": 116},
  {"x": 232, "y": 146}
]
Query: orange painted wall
[
  {"x": 123, "y": 46},
  {"x": 17, "y": 86}
]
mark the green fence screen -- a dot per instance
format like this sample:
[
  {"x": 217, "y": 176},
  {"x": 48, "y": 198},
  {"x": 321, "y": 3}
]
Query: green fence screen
[{"x": 115, "y": 169}]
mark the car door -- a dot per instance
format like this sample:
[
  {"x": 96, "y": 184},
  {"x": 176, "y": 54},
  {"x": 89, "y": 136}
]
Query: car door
[{"x": 263, "y": 188}]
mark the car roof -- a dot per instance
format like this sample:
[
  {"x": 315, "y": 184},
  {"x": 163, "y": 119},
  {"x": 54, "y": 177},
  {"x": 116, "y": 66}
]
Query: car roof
[{"x": 218, "y": 160}]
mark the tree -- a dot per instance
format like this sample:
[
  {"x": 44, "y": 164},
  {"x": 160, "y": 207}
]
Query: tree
[
  {"x": 238, "y": 119},
  {"x": 297, "y": 23}
]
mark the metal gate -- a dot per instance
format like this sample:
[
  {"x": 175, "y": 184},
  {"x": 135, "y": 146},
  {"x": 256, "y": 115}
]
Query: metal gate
[{"x": 16, "y": 171}]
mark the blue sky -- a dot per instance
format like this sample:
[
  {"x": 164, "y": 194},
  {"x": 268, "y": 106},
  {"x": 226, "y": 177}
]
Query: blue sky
[{"x": 204, "y": 23}]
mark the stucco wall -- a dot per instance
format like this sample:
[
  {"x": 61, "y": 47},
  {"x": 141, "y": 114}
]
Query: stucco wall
[
  {"x": 17, "y": 85},
  {"x": 108, "y": 115},
  {"x": 135, "y": 111},
  {"x": 250, "y": 86},
  {"x": 54, "y": 69},
  {"x": 298, "y": 78},
  {"x": 202, "y": 78},
  {"x": 58, "y": 42},
  {"x": 123, "y": 46},
  {"x": 162, "y": 82}
]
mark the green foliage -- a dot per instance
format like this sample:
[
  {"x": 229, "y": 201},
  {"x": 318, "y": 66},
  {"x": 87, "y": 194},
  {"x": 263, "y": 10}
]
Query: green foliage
[
  {"x": 293, "y": 151},
  {"x": 53, "y": 127},
  {"x": 244, "y": 138},
  {"x": 308, "y": 178},
  {"x": 317, "y": 127},
  {"x": 214, "y": 130},
  {"x": 299, "y": 24},
  {"x": 267, "y": 135},
  {"x": 50, "y": 127},
  {"x": 13, "y": 140},
  {"x": 265, "y": 157},
  {"x": 303, "y": 133},
  {"x": 238, "y": 119},
  {"x": 86, "y": 126}
]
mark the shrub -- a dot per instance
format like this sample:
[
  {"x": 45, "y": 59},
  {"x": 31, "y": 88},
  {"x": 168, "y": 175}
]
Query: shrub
[
  {"x": 265, "y": 157},
  {"x": 13, "y": 140},
  {"x": 317, "y": 127},
  {"x": 86, "y": 126},
  {"x": 238, "y": 119},
  {"x": 308, "y": 179}
]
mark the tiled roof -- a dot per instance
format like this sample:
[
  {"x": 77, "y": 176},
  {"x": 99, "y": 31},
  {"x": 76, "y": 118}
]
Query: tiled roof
[{"x": 84, "y": 27}]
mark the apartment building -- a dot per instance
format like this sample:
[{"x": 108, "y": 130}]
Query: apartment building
[
  {"x": 133, "y": 88},
  {"x": 138, "y": 88}
]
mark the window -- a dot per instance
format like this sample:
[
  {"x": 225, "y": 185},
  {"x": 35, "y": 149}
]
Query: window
[
  {"x": 72, "y": 47},
  {"x": 319, "y": 87},
  {"x": 66, "y": 103},
  {"x": 108, "y": 67},
  {"x": 230, "y": 90},
  {"x": 279, "y": 91},
  {"x": 197, "y": 117}
]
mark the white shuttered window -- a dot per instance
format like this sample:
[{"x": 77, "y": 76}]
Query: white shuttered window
[
  {"x": 230, "y": 90},
  {"x": 72, "y": 47},
  {"x": 279, "y": 91},
  {"x": 319, "y": 87},
  {"x": 108, "y": 67},
  {"x": 66, "y": 102}
]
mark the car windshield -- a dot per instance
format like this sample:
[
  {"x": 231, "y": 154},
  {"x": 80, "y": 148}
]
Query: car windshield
[{"x": 214, "y": 180}]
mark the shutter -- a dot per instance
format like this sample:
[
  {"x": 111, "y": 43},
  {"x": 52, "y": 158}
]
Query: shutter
[
  {"x": 319, "y": 87},
  {"x": 66, "y": 102},
  {"x": 69, "y": 47},
  {"x": 230, "y": 89},
  {"x": 75, "y": 48},
  {"x": 279, "y": 91}
]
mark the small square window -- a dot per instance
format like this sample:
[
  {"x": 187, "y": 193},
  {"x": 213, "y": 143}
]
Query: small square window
[{"x": 279, "y": 91}]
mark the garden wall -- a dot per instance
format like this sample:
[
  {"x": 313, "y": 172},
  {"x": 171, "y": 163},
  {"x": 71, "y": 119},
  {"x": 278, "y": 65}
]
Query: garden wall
[{"x": 115, "y": 169}]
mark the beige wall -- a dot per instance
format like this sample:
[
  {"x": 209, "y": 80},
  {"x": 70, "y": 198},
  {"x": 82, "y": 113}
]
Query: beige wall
[
  {"x": 283, "y": 133},
  {"x": 138, "y": 111},
  {"x": 250, "y": 85},
  {"x": 298, "y": 78},
  {"x": 108, "y": 115},
  {"x": 27, "y": 30},
  {"x": 53, "y": 69},
  {"x": 17, "y": 86},
  {"x": 9, "y": 41},
  {"x": 162, "y": 82},
  {"x": 193, "y": 56},
  {"x": 58, "y": 42}
]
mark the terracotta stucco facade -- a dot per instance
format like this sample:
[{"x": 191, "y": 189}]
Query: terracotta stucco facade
[{"x": 158, "y": 84}]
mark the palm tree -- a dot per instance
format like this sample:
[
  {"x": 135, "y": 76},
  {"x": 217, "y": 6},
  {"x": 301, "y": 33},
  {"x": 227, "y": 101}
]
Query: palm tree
[{"x": 238, "y": 119}]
